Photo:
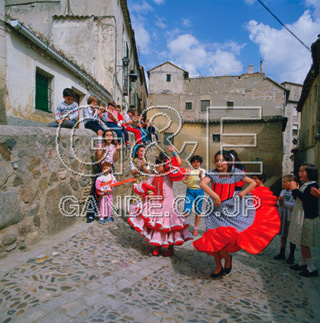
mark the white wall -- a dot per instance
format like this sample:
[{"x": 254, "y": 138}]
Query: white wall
[
  {"x": 158, "y": 83},
  {"x": 22, "y": 61}
]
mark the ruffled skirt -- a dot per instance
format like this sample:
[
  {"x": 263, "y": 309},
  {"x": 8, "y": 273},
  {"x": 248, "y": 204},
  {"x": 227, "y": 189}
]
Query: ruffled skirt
[
  {"x": 252, "y": 229},
  {"x": 160, "y": 225}
]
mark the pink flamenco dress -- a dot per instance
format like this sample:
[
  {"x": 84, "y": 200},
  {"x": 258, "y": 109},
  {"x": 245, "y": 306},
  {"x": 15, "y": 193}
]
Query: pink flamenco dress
[
  {"x": 159, "y": 221},
  {"x": 249, "y": 224}
]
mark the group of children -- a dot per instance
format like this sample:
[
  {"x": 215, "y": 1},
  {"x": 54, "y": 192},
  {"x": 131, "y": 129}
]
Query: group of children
[
  {"x": 155, "y": 216},
  {"x": 234, "y": 218},
  {"x": 100, "y": 117}
]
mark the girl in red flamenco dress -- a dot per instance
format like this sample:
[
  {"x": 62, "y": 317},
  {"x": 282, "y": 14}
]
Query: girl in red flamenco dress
[
  {"x": 235, "y": 220},
  {"x": 159, "y": 221}
]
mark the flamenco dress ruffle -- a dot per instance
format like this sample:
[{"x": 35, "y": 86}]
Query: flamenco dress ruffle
[
  {"x": 159, "y": 222},
  {"x": 252, "y": 232}
]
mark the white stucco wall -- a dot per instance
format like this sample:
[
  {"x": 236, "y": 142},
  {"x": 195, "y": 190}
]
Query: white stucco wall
[
  {"x": 158, "y": 81},
  {"x": 22, "y": 60},
  {"x": 93, "y": 34}
]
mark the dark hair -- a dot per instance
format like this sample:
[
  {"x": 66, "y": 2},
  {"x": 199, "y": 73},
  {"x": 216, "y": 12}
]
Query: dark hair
[
  {"x": 102, "y": 104},
  {"x": 262, "y": 177},
  {"x": 237, "y": 159},
  {"x": 112, "y": 104},
  {"x": 227, "y": 157},
  {"x": 196, "y": 157},
  {"x": 161, "y": 159},
  {"x": 130, "y": 111},
  {"x": 68, "y": 92},
  {"x": 132, "y": 107},
  {"x": 136, "y": 148},
  {"x": 312, "y": 171},
  {"x": 108, "y": 130}
]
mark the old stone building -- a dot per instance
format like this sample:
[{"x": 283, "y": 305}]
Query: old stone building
[
  {"x": 246, "y": 114},
  {"x": 309, "y": 106},
  {"x": 45, "y": 48},
  {"x": 34, "y": 86},
  {"x": 96, "y": 37},
  {"x": 291, "y": 134}
]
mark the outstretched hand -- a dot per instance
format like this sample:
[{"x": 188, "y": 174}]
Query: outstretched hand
[
  {"x": 171, "y": 148},
  {"x": 315, "y": 192}
]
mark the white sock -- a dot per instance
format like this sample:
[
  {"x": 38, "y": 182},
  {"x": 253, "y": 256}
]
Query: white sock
[
  {"x": 310, "y": 265},
  {"x": 101, "y": 218},
  {"x": 195, "y": 228},
  {"x": 302, "y": 260}
]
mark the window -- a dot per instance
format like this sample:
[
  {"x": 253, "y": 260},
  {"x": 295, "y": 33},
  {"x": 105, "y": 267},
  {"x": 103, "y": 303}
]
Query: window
[
  {"x": 166, "y": 141},
  {"x": 229, "y": 104},
  {"x": 43, "y": 91},
  {"x": 168, "y": 77},
  {"x": 188, "y": 105},
  {"x": 216, "y": 137},
  {"x": 204, "y": 105},
  {"x": 295, "y": 112},
  {"x": 294, "y": 129}
]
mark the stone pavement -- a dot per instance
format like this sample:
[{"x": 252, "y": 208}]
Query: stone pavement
[{"x": 97, "y": 273}]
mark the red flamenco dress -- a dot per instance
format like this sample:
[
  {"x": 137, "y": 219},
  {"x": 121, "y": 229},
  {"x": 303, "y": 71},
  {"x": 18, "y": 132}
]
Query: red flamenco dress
[
  {"x": 159, "y": 221},
  {"x": 249, "y": 223}
]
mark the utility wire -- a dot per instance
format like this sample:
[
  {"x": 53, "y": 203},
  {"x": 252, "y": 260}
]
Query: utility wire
[
  {"x": 212, "y": 68},
  {"x": 282, "y": 24},
  {"x": 206, "y": 79}
]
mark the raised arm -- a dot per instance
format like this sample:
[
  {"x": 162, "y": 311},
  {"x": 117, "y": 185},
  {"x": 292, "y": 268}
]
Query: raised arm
[
  {"x": 175, "y": 154},
  {"x": 116, "y": 153}
]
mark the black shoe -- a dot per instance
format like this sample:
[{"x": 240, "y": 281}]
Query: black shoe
[
  {"x": 90, "y": 219},
  {"x": 220, "y": 273},
  {"x": 297, "y": 267},
  {"x": 290, "y": 260},
  {"x": 227, "y": 270},
  {"x": 307, "y": 273},
  {"x": 280, "y": 256}
]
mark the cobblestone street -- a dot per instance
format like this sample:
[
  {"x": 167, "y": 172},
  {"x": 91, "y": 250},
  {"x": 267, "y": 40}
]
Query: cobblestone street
[{"x": 96, "y": 273}]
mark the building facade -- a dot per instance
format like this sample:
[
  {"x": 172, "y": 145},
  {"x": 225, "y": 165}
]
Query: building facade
[
  {"x": 309, "y": 107},
  {"x": 35, "y": 84},
  {"x": 96, "y": 37},
  {"x": 291, "y": 134},
  {"x": 246, "y": 113}
]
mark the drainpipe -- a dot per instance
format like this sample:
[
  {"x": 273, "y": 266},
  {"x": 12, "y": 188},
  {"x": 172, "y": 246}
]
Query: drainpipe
[
  {"x": 44, "y": 46},
  {"x": 114, "y": 76}
]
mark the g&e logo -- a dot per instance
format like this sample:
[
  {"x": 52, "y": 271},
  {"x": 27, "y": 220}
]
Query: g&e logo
[{"x": 70, "y": 206}]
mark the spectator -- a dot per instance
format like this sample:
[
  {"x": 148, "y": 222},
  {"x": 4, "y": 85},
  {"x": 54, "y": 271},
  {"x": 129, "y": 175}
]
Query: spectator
[
  {"x": 127, "y": 122},
  {"x": 110, "y": 118},
  {"x": 92, "y": 116},
  {"x": 67, "y": 111}
]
